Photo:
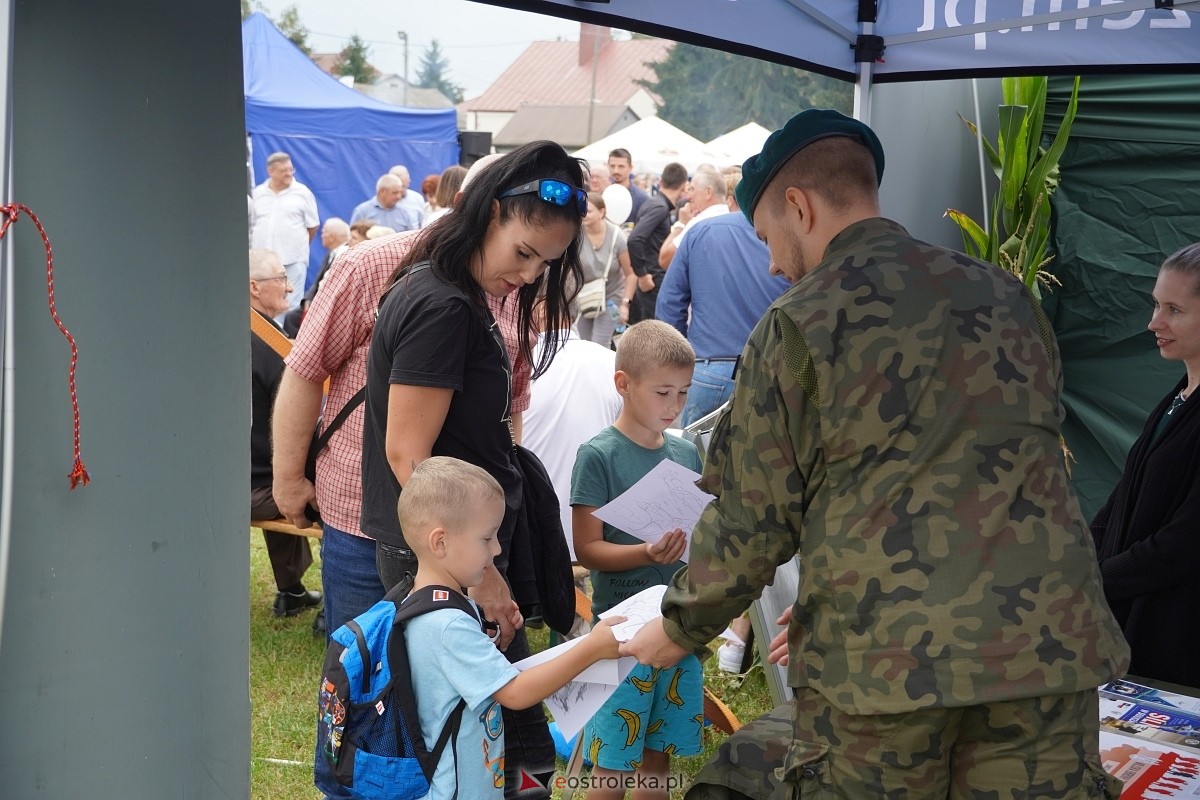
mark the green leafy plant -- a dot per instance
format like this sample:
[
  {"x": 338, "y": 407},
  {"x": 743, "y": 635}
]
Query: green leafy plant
[{"x": 1017, "y": 237}]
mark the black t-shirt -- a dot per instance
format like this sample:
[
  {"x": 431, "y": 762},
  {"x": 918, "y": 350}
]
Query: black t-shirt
[{"x": 429, "y": 333}]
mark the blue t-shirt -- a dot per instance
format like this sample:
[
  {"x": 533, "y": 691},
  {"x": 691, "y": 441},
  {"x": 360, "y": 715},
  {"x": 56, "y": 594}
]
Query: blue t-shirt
[
  {"x": 605, "y": 467},
  {"x": 450, "y": 658}
]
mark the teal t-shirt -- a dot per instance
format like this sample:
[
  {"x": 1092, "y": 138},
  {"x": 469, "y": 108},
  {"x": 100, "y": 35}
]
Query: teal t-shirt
[{"x": 605, "y": 466}]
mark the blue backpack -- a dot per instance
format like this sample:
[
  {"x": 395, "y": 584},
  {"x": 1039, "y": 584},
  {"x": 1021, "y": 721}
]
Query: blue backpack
[{"x": 369, "y": 742}]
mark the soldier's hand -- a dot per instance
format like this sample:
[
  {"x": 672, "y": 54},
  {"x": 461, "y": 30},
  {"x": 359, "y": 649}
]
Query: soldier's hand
[
  {"x": 652, "y": 647},
  {"x": 777, "y": 652},
  {"x": 669, "y": 549}
]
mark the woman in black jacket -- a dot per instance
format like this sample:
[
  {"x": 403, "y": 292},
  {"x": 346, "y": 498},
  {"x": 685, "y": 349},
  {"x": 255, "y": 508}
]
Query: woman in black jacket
[{"x": 1148, "y": 533}]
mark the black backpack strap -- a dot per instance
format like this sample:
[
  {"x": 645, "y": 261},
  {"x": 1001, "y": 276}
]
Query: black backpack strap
[
  {"x": 354, "y": 402},
  {"x": 450, "y": 734},
  {"x": 431, "y": 598},
  {"x": 422, "y": 601}
]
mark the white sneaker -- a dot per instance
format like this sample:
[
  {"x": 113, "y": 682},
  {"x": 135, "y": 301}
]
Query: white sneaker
[{"x": 729, "y": 657}]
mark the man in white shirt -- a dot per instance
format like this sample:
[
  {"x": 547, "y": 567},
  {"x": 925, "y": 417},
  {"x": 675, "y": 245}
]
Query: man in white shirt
[
  {"x": 708, "y": 200},
  {"x": 285, "y": 220},
  {"x": 570, "y": 403}
]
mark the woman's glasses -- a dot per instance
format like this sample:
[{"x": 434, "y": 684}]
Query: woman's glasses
[{"x": 552, "y": 191}]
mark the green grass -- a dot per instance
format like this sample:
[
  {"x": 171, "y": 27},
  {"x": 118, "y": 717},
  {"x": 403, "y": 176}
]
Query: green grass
[{"x": 285, "y": 665}]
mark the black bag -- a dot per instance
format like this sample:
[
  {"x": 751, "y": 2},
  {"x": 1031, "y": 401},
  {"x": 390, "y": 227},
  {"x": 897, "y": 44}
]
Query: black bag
[
  {"x": 321, "y": 438},
  {"x": 369, "y": 738}
]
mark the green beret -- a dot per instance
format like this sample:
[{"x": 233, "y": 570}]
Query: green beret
[{"x": 799, "y": 132}]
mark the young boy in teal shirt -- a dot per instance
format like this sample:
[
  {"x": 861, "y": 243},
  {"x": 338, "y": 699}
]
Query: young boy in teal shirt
[{"x": 654, "y": 713}]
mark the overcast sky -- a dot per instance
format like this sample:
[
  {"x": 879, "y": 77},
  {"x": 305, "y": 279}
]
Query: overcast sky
[{"x": 480, "y": 41}]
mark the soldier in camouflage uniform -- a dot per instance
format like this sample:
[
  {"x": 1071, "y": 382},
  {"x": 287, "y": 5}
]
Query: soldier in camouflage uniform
[{"x": 896, "y": 423}]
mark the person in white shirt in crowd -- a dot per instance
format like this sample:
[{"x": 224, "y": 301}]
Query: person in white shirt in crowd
[
  {"x": 335, "y": 238},
  {"x": 572, "y": 401},
  {"x": 285, "y": 221},
  {"x": 707, "y": 200},
  {"x": 449, "y": 187}
]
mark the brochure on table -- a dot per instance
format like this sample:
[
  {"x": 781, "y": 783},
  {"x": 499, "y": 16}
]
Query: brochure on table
[{"x": 1150, "y": 740}]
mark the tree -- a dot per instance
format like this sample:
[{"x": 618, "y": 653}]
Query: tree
[
  {"x": 250, "y": 6},
  {"x": 289, "y": 25},
  {"x": 434, "y": 73},
  {"x": 711, "y": 92},
  {"x": 352, "y": 61}
]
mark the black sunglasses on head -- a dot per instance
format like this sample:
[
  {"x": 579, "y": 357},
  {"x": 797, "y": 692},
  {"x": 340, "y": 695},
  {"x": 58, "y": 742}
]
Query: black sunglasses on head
[{"x": 552, "y": 191}]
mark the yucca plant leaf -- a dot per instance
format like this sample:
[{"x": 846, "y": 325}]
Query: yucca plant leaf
[
  {"x": 1039, "y": 175},
  {"x": 975, "y": 238},
  {"x": 1018, "y": 236},
  {"x": 1035, "y": 105},
  {"x": 1014, "y": 163}
]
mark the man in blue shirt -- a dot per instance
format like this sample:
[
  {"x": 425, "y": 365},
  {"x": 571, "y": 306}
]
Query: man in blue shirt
[
  {"x": 385, "y": 207},
  {"x": 410, "y": 199},
  {"x": 722, "y": 271}
]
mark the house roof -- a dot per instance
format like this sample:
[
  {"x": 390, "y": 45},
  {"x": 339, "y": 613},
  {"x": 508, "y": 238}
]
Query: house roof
[
  {"x": 390, "y": 89},
  {"x": 326, "y": 61},
  {"x": 550, "y": 74},
  {"x": 567, "y": 125}
]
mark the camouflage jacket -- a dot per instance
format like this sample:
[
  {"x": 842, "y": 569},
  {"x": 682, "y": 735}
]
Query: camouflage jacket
[{"x": 896, "y": 423}]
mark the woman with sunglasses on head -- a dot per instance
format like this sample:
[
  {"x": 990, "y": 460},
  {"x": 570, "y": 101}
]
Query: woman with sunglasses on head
[
  {"x": 439, "y": 378},
  {"x": 1146, "y": 534}
]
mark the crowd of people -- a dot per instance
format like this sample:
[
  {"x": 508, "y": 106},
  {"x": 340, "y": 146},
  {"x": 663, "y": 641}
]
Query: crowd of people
[{"x": 889, "y": 410}]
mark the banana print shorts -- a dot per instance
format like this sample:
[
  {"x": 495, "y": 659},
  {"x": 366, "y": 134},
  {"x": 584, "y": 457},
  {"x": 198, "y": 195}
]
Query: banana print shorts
[{"x": 653, "y": 708}]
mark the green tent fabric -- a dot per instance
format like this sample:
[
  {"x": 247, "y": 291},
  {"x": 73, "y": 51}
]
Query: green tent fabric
[{"x": 1129, "y": 196}]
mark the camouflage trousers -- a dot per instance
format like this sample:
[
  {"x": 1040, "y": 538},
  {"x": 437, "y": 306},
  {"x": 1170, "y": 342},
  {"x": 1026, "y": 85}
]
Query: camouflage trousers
[{"x": 1044, "y": 747}]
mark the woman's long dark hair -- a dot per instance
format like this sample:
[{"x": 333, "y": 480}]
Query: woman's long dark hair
[{"x": 450, "y": 242}]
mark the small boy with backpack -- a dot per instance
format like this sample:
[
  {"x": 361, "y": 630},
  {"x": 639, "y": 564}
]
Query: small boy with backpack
[
  {"x": 456, "y": 679},
  {"x": 654, "y": 713}
]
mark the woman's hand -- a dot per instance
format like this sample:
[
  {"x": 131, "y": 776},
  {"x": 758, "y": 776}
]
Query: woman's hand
[{"x": 497, "y": 604}]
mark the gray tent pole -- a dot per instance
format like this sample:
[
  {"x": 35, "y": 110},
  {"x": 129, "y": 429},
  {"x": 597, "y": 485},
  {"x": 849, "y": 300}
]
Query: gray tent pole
[
  {"x": 862, "y": 83},
  {"x": 6, "y": 293}
]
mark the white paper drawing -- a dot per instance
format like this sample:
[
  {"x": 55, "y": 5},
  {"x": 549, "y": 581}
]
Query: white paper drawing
[
  {"x": 637, "y": 610},
  {"x": 574, "y": 704},
  {"x": 664, "y": 499}
]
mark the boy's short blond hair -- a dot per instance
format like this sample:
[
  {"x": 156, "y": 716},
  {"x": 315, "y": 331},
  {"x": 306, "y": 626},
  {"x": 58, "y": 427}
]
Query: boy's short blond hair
[
  {"x": 443, "y": 492},
  {"x": 651, "y": 345}
]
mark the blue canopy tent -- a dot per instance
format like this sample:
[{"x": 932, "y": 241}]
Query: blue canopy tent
[{"x": 340, "y": 141}]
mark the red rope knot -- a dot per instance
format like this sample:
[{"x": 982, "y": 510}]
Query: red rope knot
[{"x": 12, "y": 212}]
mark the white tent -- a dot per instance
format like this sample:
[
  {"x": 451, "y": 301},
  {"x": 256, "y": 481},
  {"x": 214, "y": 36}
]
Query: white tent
[
  {"x": 652, "y": 142},
  {"x": 736, "y": 146}
]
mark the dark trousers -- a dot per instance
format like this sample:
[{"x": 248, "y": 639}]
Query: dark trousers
[
  {"x": 291, "y": 556},
  {"x": 643, "y": 303}
]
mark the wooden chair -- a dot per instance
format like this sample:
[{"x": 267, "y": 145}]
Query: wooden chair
[{"x": 283, "y": 526}]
